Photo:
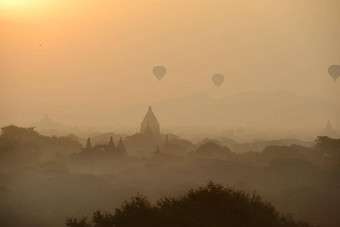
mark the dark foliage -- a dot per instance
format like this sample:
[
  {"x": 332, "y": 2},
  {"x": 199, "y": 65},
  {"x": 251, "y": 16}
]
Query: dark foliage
[
  {"x": 327, "y": 144},
  {"x": 330, "y": 148},
  {"x": 13, "y": 137},
  {"x": 212, "y": 205},
  {"x": 211, "y": 149},
  {"x": 78, "y": 222}
]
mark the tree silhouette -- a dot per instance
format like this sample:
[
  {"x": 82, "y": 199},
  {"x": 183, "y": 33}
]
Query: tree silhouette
[{"x": 212, "y": 205}]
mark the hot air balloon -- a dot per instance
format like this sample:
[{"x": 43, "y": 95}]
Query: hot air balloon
[
  {"x": 334, "y": 71},
  {"x": 159, "y": 72},
  {"x": 217, "y": 79}
]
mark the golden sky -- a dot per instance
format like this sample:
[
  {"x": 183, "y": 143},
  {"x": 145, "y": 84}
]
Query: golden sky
[{"x": 83, "y": 57}]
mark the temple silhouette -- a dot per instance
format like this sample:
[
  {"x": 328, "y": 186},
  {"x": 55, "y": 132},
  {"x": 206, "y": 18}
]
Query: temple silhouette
[
  {"x": 148, "y": 140},
  {"x": 150, "y": 125},
  {"x": 109, "y": 148},
  {"x": 329, "y": 131}
]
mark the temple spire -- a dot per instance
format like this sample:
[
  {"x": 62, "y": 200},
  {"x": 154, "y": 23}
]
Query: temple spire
[
  {"x": 166, "y": 140},
  {"x": 121, "y": 146},
  {"x": 329, "y": 131},
  {"x": 88, "y": 144},
  {"x": 150, "y": 125},
  {"x": 111, "y": 143},
  {"x": 166, "y": 143}
]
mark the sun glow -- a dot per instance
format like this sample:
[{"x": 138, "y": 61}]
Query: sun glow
[
  {"x": 21, "y": 5},
  {"x": 15, "y": 3},
  {"x": 20, "y": 9}
]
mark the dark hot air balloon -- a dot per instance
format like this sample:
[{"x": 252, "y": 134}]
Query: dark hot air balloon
[
  {"x": 217, "y": 79},
  {"x": 334, "y": 71},
  {"x": 159, "y": 72}
]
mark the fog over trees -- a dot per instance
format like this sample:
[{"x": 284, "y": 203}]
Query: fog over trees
[
  {"x": 169, "y": 113},
  {"x": 45, "y": 180}
]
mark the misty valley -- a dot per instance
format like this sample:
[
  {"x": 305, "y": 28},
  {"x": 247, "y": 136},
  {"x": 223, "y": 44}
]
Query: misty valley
[
  {"x": 169, "y": 113},
  {"x": 53, "y": 181}
]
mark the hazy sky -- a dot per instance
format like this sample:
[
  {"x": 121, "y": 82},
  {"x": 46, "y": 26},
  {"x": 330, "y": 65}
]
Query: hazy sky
[{"x": 81, "y": 57}]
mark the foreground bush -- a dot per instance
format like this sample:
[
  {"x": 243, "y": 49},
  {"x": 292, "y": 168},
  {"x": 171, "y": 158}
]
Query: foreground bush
[{"x": 212, "y": 205}]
